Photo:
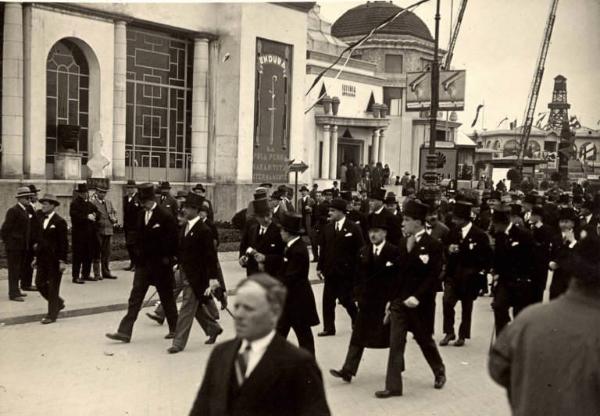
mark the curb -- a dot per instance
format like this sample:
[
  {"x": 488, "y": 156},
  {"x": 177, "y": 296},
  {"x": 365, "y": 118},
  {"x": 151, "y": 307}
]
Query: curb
[{"x": 93, "y": 310}]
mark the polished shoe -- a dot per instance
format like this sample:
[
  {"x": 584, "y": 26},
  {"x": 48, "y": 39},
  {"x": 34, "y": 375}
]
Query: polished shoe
[
  {"x": 29, "y": 289},
  {"x": 440, "y": 380},
  {"x": 326, "y": 334},
  {"x": 174, "y": 350},
  {"x": 155, "y": 318},
  {"x": 109, "y": 276},
  {"x": 459, "y": 342},
  {"x": 447, "y": 339},
  {"x": 341, "y": 374},
  {"x": 90, "y": 279},
  {"x": 78, "y": 281},
  {"x": 98, "y": 277},
  {"x": 213, "y": 338},
  {"x": 118, "y": 337},
  {"x": 170, "y": 335},
  {"x": 61, "y": 307},
  {"x": 23, "y": 294},
  {"x": 17, "y": 299},
  {"x": 47, "y": 320},
  {"x": 384, "y": 394}
]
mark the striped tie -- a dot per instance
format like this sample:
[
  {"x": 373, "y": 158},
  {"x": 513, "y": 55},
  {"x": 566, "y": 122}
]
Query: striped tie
[{"x": 241, "y": 364}]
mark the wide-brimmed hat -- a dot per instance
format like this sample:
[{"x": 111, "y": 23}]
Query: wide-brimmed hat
[
  {"x": 204, "y": 207},
  {"x": 193, "y": 200},
  {"x": 292, "y": 223},
  {"x": 276, "y": 195},
  {"x": 130, "y": 184},
  {"x": 304, "y": 188},
  {"x": 495, "y": 195},
  {"x": 23, "y": 191},
  {"x": 260, "y": 193},
  {"x": 81, "y": 187},
  {"x": 261, "y": 207},
  {"x": 165, "y": 185},
  {"x": 33, "y": 189},
  {"x": 101, "y": 188},
  {"x": 199, "y": 187},
  {"x": 462, "y": 210},
  {"x": 339, "y": 204},
  {"x": 379, "y": 221},
  {"x": 378, "y": 194},
  {"x": 146, "y": 192},
  {"x": 415, "y": 209},
  {"x": 50, "y": 198},
  {"x": 530, "y": 199},
  {"x": 390, "y": 198}
]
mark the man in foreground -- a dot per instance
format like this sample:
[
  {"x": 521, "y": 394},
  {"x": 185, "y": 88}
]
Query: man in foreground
[{"x": 260, "y": 373}]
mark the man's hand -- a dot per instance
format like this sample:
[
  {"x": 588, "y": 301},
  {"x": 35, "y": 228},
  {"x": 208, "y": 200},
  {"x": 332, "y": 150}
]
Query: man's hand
[
  {"x": 320, "y": 275},
  {"x": 386, "y": 316},
  {"x": 259, "y": 257},
  {"x": 62, "y": 266},
  {"x": 91, "y": 217},
  {"x": 213, "y": 284},
  {"x": 243, "y": 261},
  {"x": 411, "y": 302}
]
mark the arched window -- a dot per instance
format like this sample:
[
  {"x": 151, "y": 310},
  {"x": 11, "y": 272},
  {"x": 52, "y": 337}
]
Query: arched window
[
  {"x": 511, "y": 148},
  {"x": 67, "y": 95},
  {"x": 497, "y": 145},
  {"x": 534, "y": 149}
]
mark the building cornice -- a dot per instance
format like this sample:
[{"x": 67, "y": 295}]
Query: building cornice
[
  {"x": 352, "y": 63},
  {"x": 314, "y": 69},
  {"x": 368, "y": 122}
]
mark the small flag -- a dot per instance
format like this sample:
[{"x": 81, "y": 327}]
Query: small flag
[
  {"x": 513, "y": 124},
  {"x": 479, "y": 107},
  {"x": 574, "y": 123},
  {"x": 502, "y": 121},
  {"x": 538, "y": 123}
]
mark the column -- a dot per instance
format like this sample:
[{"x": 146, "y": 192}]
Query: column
[
  {"x": 375, "y": 148},
  {"x": 12, "y": 92},
  {"x": 119, "y": 101},
  {"x": 199, "y": 165},
  {"x": 325, "y": 154},
  {"x": 213, "y": 60},
  {"x": 381, "y": 154},
  {"x": 333, "y": 153}
]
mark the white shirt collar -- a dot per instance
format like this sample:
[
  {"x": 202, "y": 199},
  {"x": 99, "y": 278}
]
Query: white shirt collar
[
  {"x": 419, "y": 235},
  {"x": 22, "y": 206},
  {"x": 47, "y": 220},
  {"x": 340, "y": 223},
  {"x": 257, "y": 350},
  {"x": 378, "y": 247},
  {"x": 193, "y": 221},
  {"x": 510, "y": 224},
  {"x": 465, "y": 230},
  {"x": 380, "y": 209},
  {"x": 588, "y": 218},
  {"x": 292, "y": 241},
  {"x": 154, "y": 205}
]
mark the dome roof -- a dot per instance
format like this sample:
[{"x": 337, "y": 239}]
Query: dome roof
[{"x": 362, "y": 19}]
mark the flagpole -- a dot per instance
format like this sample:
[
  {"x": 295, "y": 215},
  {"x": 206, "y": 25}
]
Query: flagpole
[{"x": 483, "y": 116}]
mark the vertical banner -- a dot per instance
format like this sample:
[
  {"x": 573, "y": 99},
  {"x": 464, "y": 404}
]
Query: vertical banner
[{"x": 272, "y": 103}]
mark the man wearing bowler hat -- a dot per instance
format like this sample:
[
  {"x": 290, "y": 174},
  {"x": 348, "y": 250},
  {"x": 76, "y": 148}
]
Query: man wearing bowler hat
[
  {"x": 421, "y": 266},
  {"x": 201, "y": 190},
  {"x": 300, "y": 310},
  {"x": 107, "y": 218},
  {"x": 131, "y": 209},
  {"x": 563, "y": 251},
  {"x": 379, "y": 210},
  {"x": 156, "y": 248},
  {"x": 84, "y": 215},
  {"x": 18, "y": 233},
  {"x": 166, "y": 200},
  {"x": 469, "y": 259},
  {"x": 51, "y": 256},
  {"x": 27, "y": 277},
  {"x": 544, "y": 239},
  {"x": 341, "y": 240}
]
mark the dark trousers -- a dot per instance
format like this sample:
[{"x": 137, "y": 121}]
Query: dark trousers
[
  {"x": 82, "y": 262},
  {"x": 353, "y": 357},
  {"x": 27, "y": 273},
  {"x": 505, "y": 297},
  {"x": 333, "y": 291},
  {"x": 162, "y": 278},
  {"x": 303, "y": 333},
  {"x": 427, "y": 312},
  {"x": 402, "y": 320},
  {"x": 47, "y": 280},
  {"x": 451, "y": 298},
  {"x": 130, "y": 243},
  {"x": 16, "y": 265},
  {"x": 539, "y": 286},
  {"x": 314, "y": 243},
  {"x": 102, "y": 256}
]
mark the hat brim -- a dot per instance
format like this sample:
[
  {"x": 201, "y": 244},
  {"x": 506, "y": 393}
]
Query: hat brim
[
  {"x": 52, "y": 201},
  {"x": 291, "y": 230},
  {"x": 24, "y": 195}
]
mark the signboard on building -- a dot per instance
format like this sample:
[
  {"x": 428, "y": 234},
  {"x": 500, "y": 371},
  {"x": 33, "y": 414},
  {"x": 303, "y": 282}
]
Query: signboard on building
[
  {"x": 272, "y": 110},
  {"x": 447, "y": 168},
  {"x": 451, "y": 91}
]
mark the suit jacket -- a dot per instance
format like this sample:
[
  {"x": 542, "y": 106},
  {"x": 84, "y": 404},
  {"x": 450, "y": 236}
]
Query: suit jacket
[
  {"x": 213, "y": 230},
  {"x": 306, "y": 209},
  {"x": 156, "y": 244},
  {"x": 512, "y": 256},
  {"x": 466, "y": 269},
  {"x": 130, "y": 212},
  {"x": 197, "y": 257},
  {"x": 320, "y": 213},
  {"x": 270, "y": 244},
  {"x": 339, "y": 250},
  {"x": 419, "y": 270},
  {"x": 169, "y": 203},
  {"x": 82, "y": 228},
  {"x": 286, "y": 381},
  {"x": 107, "y": 216},
  {"x": 53, "y": 245},
  {"x": 544, "y": 240},
  {"x": 394, "y": 222},
  {"x": 18, "y": 228},
  {"x": 300, "y": 307},
  {"x": 360, "y": 219}
]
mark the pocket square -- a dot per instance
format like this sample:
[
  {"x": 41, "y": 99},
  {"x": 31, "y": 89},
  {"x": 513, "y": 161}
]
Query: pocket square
[
  {"x": 472, "y": 246},
  {"x": 53, "y": 226},
  {"x": 30, "y": 216},
  {"x": 514, "y": 243},
  {"x": 424, "y": 258},
  {"x": 272, "y": 245},
  {"x": 156, "y": 226},
  {"x": 285, "y": 259},
  {"x": 348, "y": 235},
  {"x": 389, "y": 264}
]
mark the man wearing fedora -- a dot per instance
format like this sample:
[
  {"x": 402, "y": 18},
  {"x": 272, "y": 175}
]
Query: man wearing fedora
[
  {"x": 378, "y": 201},
  {"x": 420, "y": 269},
  {"x": 107, "y": 218},
  {"x": 166, "y": 200},
  {"x": 201, "y": 190},
  {"x": 300, "y": 310},
  {"x": 27, "y": 277},
  {"x": 51, "y": 256},
  {"x": 84, "y": 215},
  {"x": 563, "y": 250},
  {"x": 18, "y": 233},
  {"x": 131, "y": 209},
  {"x": 156, "y": 247},
  {"x": 261, "y": 247},
  {"x": 341, "y": 240},
  {"x": 469, "y": 260}
]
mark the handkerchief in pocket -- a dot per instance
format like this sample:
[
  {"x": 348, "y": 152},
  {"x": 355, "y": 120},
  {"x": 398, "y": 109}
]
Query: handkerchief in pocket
[
  {"x": 424, "y": 258},
  {"x": 514, "y": 243},
  {"x": 156, "y": 226},
  {"x": 348, "y": 235},
  {"x": 389, "y": 264},
  {"x": 53, "y": 226}
]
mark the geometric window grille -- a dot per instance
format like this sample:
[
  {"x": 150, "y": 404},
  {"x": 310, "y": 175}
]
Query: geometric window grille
[
  {"x": 159, "y": 102},
  {"x": 348, "y": 90},
  {"x": 67, "y": 95}
]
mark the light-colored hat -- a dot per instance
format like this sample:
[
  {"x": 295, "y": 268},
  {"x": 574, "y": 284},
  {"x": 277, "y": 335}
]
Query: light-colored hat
[
  {"x": 23, "y": 191},
  {"x": 49, "y": 198}
]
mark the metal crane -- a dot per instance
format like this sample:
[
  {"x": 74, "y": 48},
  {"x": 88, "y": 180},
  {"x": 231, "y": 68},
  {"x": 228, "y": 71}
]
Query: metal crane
[
  {"x": 452, "y": 44},
  {"x": 535, "y": 86}
]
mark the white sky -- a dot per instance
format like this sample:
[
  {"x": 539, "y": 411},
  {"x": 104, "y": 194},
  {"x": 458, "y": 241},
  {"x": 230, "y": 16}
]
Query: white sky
[{"x": 498, "y": 45}]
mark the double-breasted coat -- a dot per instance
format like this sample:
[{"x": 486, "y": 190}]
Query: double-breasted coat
[{"x": 270, "y": 244}]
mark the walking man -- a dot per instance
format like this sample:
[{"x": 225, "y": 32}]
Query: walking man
[{"x": 131, "y": 209}]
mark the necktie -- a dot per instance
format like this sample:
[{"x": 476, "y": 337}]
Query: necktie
[
  {"x": 147, "y": 219},
  {"x": 187, "y": 228},
  {"x": 242, "y": 364},
  {"x": 410, "y": 243},
  {"x": 262, "y": 231},
  {"x": 376, "y": 251}
]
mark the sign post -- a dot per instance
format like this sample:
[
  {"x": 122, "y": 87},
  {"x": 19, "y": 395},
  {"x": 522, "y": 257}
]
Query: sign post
[{"x": 296, "y": 166}]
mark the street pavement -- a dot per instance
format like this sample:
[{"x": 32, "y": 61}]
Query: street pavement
[{"x": 70, "y": 368}]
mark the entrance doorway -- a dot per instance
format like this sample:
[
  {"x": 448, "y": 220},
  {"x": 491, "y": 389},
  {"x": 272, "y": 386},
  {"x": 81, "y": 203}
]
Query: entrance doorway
[{"x": 349, "y": 152}]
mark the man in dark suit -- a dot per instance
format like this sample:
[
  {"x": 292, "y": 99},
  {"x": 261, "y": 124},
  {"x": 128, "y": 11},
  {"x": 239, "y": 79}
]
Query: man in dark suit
[
  {"x": 379, "y": 210},
  {"x": 83, "y": 233},
  {"x": 544, "y": 239},
  {"x": 421, "y": 266},
  {"x": 156, "y": 248},
  {"x": 563, "y": 249},
  {"x": 259, "y": 372},
  {"x": 27, "y": 275},
  {"x": 106, "y": 219},
  {"x": 131, "y": 209},
  {"x": 469, "y": 259},
  {"x": 319, "y": 219},
  {"x": 379, "y": 265},
  {"x": 588, "y": 220},
  {"x": 513, "y": 268},
  {"x": 51, "y": 256},
  {"x": 341, "y": 240},
  {"x": 261, "y": 247},
  {"x": 306, "y": 204},
  {"x": 197, "y": 259},
  {"x": 201, "y": 190},
  {"x": 300, "y": 310},
  {"x": 357, "y": 216},
  {"x": 18, "y": 232},
  {"x": 166, "y": 200}
]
